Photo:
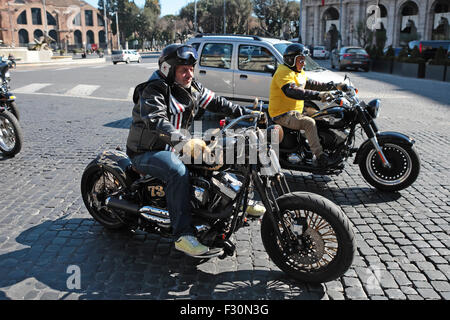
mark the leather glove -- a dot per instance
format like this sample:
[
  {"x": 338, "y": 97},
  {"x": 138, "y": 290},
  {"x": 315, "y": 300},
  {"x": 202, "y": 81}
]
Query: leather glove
[
  {"x": 325, "y": 96},
  {"x": 195, "y": 148},
  {"x": 261, "y": 114},
  {"x": 342, "y": 86}
]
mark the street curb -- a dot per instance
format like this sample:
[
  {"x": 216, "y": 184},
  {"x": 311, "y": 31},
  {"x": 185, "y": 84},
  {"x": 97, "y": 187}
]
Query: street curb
[{"x": 57, "y": 63}]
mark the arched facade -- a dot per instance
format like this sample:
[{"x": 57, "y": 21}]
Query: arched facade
[
  {"x": 20, "y": 20},
  {"x": 397, "y": 20}
]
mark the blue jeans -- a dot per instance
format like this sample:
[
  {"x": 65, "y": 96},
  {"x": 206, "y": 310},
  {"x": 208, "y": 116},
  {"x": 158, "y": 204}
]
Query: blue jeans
[{"x": 166, "y": 166}]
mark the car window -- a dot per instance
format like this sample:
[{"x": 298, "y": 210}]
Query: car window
[
  {"x": 216, "y": 55},
  {"x": 281, "y": 47},
  {"x": 255, "y": 58},
  {"x": 116, "y": 52},
  {"x": 356, "y": 50},
  {"x": 196, "y": 45}
]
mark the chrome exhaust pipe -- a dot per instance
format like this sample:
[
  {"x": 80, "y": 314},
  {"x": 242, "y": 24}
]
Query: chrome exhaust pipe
[{"x": 150, "y": 213}]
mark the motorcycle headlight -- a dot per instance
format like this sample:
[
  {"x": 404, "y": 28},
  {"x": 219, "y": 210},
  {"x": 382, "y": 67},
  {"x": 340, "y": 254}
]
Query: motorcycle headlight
[{"x": 373, "y": 108}]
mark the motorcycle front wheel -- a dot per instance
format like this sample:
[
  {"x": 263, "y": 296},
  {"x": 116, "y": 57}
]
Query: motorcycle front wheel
[
  {"x": 12, "y": 107},
  {"x": 321, "y": 244},
  {"x": 404, "y": 170},
  {"x": 11, "y": 138},
  {"x": 97, "y": 184}
]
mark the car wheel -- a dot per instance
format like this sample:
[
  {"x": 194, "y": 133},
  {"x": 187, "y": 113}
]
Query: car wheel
[
  {"x": 341, "y": 68},
  {"x": 114, "y": 62}
]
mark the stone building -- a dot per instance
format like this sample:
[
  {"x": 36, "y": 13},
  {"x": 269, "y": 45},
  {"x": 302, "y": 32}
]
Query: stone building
[
  {"x": 71, "y": 23},
  {"x": 400, "y": 20}
]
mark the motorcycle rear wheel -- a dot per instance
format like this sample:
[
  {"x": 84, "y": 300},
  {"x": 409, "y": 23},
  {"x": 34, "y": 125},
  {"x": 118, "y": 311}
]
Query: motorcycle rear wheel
[
  {"x": 326, "y": 242},
  {"x": 11, "y": 137},
  {"x": 96, "y": 185}
]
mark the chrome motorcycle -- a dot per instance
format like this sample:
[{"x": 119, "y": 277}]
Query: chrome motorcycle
[
  {"x": 387, "y": 160},
  {"x": 7, "y": 98},
  {"x": 306, "y": 235}
]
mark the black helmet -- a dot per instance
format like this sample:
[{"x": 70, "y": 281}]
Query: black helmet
[
  {"x": 292, "y": 52},
  {"x": 175, "y": 55}
]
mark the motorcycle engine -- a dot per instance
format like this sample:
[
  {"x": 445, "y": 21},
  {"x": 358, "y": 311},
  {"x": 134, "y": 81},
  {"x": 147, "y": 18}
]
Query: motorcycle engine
[
  {"x": 331, "y": 138},
  {"x": 220, "y": 190}
]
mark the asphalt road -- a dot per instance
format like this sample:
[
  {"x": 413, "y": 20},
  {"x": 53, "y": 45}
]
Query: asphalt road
[{"x": 69, "y": 114}]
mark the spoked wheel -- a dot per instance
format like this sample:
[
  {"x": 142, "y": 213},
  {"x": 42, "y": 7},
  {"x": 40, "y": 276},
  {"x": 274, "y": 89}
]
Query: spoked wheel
[
  {"x": 404, "y": 170},
  {"x": 97, "y": 184},
  {"x": 318, "y": 245},
  {"x": 11, "y": 138}
]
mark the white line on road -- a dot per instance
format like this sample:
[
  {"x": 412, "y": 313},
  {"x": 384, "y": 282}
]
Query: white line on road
[
  {"x": 130, "y": 94},
  {"x": 82, "y": 90},
  {"x": 84, "y": 97},
  {"x": 31, "y": 88},
  {"x": 60, "y": 69}
]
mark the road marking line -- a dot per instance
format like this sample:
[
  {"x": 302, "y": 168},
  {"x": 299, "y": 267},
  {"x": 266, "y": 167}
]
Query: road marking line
[
  {"x": 82, "y": 90},
  {"x": 31, "y": 88},
  {"x": 84, "y": 97},
  {"x": 130, "y": 94},
  {"x": 60, "y": 69}
]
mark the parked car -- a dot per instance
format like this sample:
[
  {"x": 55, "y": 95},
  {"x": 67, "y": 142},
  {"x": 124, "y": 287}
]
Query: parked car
[
  {"x": 320, "y": 52},
  {"x": 354, "y": 57},
  {"x": 240, "y": 68},
  {"x": 428, "y": 48},
  {"x": 126, "y": 56}
]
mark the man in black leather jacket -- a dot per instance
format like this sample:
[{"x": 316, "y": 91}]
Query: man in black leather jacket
[{"x": 164, "y": 105}]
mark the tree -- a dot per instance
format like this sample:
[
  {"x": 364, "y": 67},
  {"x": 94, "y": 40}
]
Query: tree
[
  {"x": 363, "y": 34},
  {"x": 272, "y": 13},
  {"x": 210, "y": 15}
]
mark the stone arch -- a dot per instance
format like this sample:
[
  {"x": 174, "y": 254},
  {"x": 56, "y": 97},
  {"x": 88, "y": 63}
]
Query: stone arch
[
  {"x": 23, "y": 38},
  {"x": 408, "y": 22},
  {"x": 37, "y": 34},
  {"x": 78, "y": 38},
  {"x": 330, "y": 24},
  {"x": 440, "y": 20}
]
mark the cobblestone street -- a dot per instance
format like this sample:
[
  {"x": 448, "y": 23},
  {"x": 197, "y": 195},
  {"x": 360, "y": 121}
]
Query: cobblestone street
[{"x": 402, "y": 238}]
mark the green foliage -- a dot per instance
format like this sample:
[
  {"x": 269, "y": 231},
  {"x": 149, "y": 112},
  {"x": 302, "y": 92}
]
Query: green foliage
[{"x": 440, "y": 57}]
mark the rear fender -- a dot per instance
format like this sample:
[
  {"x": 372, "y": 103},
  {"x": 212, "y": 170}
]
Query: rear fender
[
  {"x": 117, "y": 162},
  {"x": 383, "y": 137}
]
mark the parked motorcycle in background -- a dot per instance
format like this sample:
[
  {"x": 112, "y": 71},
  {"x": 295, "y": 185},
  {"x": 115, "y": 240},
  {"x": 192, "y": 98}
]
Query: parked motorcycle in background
[
  {"x": 11, "y": 137},
  {"x": 7, "y": 98}
]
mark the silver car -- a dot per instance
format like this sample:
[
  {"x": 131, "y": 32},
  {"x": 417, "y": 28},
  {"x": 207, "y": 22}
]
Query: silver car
[{"x": 241, "y": 67}]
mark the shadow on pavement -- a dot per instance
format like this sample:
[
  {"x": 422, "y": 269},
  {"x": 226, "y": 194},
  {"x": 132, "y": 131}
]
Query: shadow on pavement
[{"x": 124, "y": 265}]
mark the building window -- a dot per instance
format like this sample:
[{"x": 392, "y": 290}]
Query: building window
[
  {"x": 23, "y": 38},
  {"x": 37, "y": 34},
  {"x": 77, "y": 20},
  {"x": 100, "y": 21},
  {"x": 53, "y": 35},
  {"x": 22, "y": 18},
  {"x": 51, "y": 21},
  {"x": 101, "y": 36},
  {"x": 36, "y": 16},
  {"x": 88, "y": 18},
  {"x": 90, "y": 37}
]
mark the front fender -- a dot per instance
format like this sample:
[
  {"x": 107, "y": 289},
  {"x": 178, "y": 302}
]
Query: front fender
[{"x": 383, "y": 137}]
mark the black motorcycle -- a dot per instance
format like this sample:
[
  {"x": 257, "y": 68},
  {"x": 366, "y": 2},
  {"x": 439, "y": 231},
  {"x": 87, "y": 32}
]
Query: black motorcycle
[
  {"x": 387, "y": 160},
  {"x": 7, "y": 98},
  {"x": 306, "y": 235}
]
